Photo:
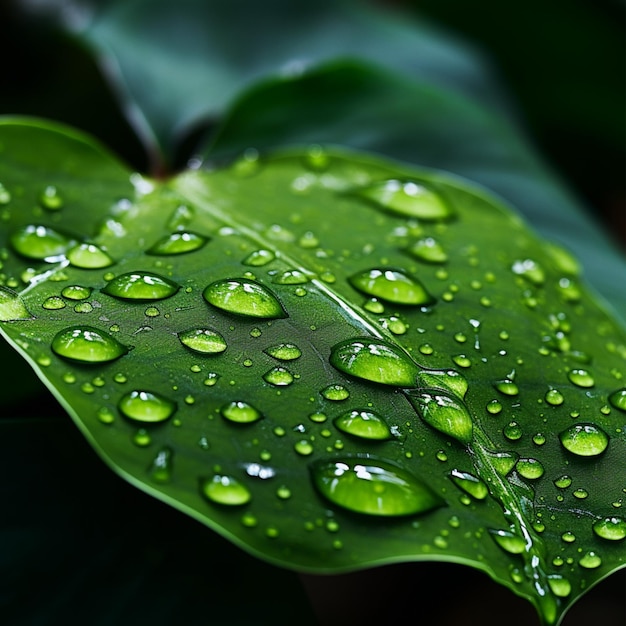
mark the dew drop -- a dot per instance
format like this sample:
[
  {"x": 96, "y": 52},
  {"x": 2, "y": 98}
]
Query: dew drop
[
  {"x": 374, "y": 306},
  {"x": 372, "y": 487},
  {"x": 554, "y": 397},
  {"x": 444, "y": 413},
  {"x": 76, "y": 292},
  {"x": 407, "y": 199},
  {"x": 610, "y": 528},
  {"x": 448, "y": 380},
  {"x": 563, "y": 482},
  {"x": 105, "y": 415},
  {"x": 539, "y": 439},
  {"x": 364, "y": 424},
  {"x": 86, "y": 344},
  {"x": 392, "y": 285},
  {"x": 142, "y": 438},
  {"x": 506, "y": 387},
  {"x": 461, "y": 360},
  {"x": 51, "y": 199},
  {"x": 258, "y": 258},
  {"x": 374, "y": 360},
  {"x": 581, "y": 378},
  {"x": 428, "y": 250},
  {"x": 140, "y": 285},
  {"x": 278, "y": 376},
  {"x": 40, "y": 242},
  {"x": 12, "y": 308},
  {"x": 559, "y": 585},
  {"x": 290, "y": 277},
  {"x": 161, "y": 468},
  {"x": 146, "y": 406},
  {"x": 177, "y": 243},
  {"x": 590, "y": 560},
  {"x": 568, "y": 536},
  {"x": 203, "y": 340},
  {"x": 584, "y": 440},
  {"x": 618, "y": 399},
  {"x": 502, "y": 462},
  {"x": 335, "y": 393},
  {"x": 494, "y": 407},
  {"x": 469, "y": 483},
  {"x": 244, "y": 297},
  {"x": 426, "y": 349},
  {"x": 580, "y": 493},
  {"x": 240, "y": 412},
  {"x": 89, "y": 256},
  {"x": 530, "y": 270},
  {"x": 529, "y": 468},
  {"x": 283, "y": 492},
  {"x": 508, "y": 541},
  {"x": 512, "y": 431},
  {"x": 394, "y": 324},
  {"x": 303, "y": 447},
  {"x": 284, "y": 351},
  {"x": 225, "y": 490}
]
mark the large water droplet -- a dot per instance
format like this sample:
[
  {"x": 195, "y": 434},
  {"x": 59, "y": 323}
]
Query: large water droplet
[
  {"x": 618, "y": 399},
  {"x": 530, "y": 270},
  {"x": 392, "y": 285},
  {"x": 177, "y": 243},
  {"x": 240, "y": 412},
  {"x": 408, "y": 199},
  {"x": 86, "y": 344},
  {"x": 428, "y": 250},
  {"x": 146, "y": 406},
  {"x": 40, "y": 242},
  {"x": 225, "y": 490},
  {"x": 584, "y": 439},
  {"x": 581, "y": 378},
  {"x": 374, "y": 360},
  {"x": 364, "y": 424},
  {"x": 284, "y": 351},
  {"x": 472, "y": 485},
  {"x": 203, "y": 340},
  {"x": 242, "y": 296},
  {"x": 89, "y": 256},
  {"x": 12, "y": 308},
  {"x": 141, "y": 285},
  {"x": 373, "y": 487},
  {"x": 448, "y": 380},
  {"x": 444, "y": 413},
  {"x": 508, "y": 541},
  {"x": 610, "y": 528}
]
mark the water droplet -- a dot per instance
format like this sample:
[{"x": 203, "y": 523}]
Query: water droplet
[
  {"x": 590, "y": 560},
  {"x": 142, "y": 438},
  {"x": 444, "y": 413},
  {"x": 12, "y": 308},
  {"x": 618, "y": 399},
  {"x": 610, "y": 528},
  {"x": 394, "y": 324},
  {"x": 284, "y": 351},
  {"x": 51, "y": 199},
  {"x": 53, "y": 303},
  {"x": 581, "y": 378},
  {"x": 461, "y": 360},
  {"x": 5, "y": 195},
  {"x": 203, "y": 340},
  {"x": 569, "y": 290},
  {"x": 335, "y": 393},
  {"x": 244, "y": 297},
  {"x": 89, "y": 256},
  {"x": 141, "y": 285},
  {"x": 40, "y": 242},
  {"x": 426, "y": 349},
  {"x": 86, "y": 344},
  {"x": 494, "y": 407},
  {"x": 364, "y": 424},
  {"x": 392, "y": 285},
  {"x": 146, "y": 406},
  {"x": 76, "y": 292},
  {"x": 161, "y": 468},
  {"x": 240, "y": 412},
  {"x": 584, "y": 440},
  {"x": 580, "y": 493},
  {"x": 105, "y": 415},
  {"x": 448, "y": 380},
  {"x": 374, "y": 306},
  {"x": 278, "y": 376},
  {"x": 530, "y": 270},
  {"x": 225, "y": 490},
  {"x": 568, "y": 536},
  {"x": 258, "y": 258},
  {"x": 506, "y": 387},
  {"x": 554, "y": 397},
  {"x": 408, "y": 199},
  {"x": 563, "y": 482},
  {"x": 529, "y": 468},
  {"x": 283, "y": 492},
  {"x": 508, "y": 541},
  {"x": 559, "y": 585},
  {"x": 428, "y": 250},
  {"x": 539, "y": 439},
  {"x": 374, "y": 360},
  {"x": 472, "y": 485},
  {"x": 502, "y": 462},
  {"x": 512, "y": 431},
  {"x": 372, "y": 487},
  {"x": 441, "y": 456},
  {"x": 303, "y": 447},
  {"x": 290, "y": 277},
  {"x": 177, "y": 243}
]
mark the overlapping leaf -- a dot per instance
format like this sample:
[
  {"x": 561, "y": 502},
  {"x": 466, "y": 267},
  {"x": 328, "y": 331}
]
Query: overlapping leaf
[{"x": 312, "y": 351}]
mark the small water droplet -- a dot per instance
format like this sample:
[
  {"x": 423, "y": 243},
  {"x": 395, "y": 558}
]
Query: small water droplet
[
  {"x": 563, "y": 482},
  {"x": 240, "y": 412},
  {"x": 539, "y": 439},
  {"x": 141, "y": 285},
  {"x": 584, "y": 439},
  {"x": 142, "y": 438},
  {"x": 89, "y": 256},
  {"x": 610, "y": 528},
  {"x": 448, "y": 380},
  {"x": 569, "y": 290},
  {"x": 506, "y": 387},
  {"x": 179, "y": 242},
  {"x": 40, "y": 242},
  {"x": 278, "y": 376},
  {"x": 618, "y": 399},
  {"x": 512, "y": 431},
  {"x": 461, "y": 360},
  {"x": 426, "y": 349},
  {"x": 284, "y": 351},
  {"x": 392, "y": 285},
  {"x": 225, "y": 490},
  {"x": 559, "y": 585},
  {"x": 372, "y": 487},
  {"x": 53, "y": 303},
  {"x": 581, "y": 378},
  {"x": 444, "y": 413},
  {"x": 105, "y": 415},
  {"x": 86, "y": 344},
  {"x": 258, "y": 258},
  {"x": 161, "y": 468},
  {"x": 374, "y": 360},
  {"x": 503, "y": 462},
  {"x": 5, "y": 195},
  {"x": 406, "y": 198},
  {"x": 335, "y": 393},
  {"x": 290, "y": 277},
  {"x": 76, "y": 292},
  {"x": 494, "y": 407},
  {"x": 394, "y": 324},
  {"x": 508, "y": 541},
  {"x": 428, "y": 250},
  {"x": 203, "y": 340},
  {"x": 146, "y": 406},
  {"x": 530, "y": 270},
  {"x": 364, "y": 424},
  {"x": 568, "y": 536},
  {"x": 51, "y": 199},
  {"x": 554, "y": 397},
  {"x": 303, "y": 447},
  {"x": 472, "y": 485},
  {"x": 580, "y": 493},
  {"x": 529, "y": 468},
  {"x": 244, "y": 297},
  {"x": 590, "y": 560},
  {"x": 374, "y": 306},
  {"x": 12, "y": 307}
]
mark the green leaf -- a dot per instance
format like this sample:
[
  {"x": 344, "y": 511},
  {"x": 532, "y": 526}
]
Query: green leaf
[{"x": 408, "y": 372}]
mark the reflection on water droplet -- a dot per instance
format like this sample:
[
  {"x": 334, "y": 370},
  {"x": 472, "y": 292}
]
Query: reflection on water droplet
[
  {"x": 146, "y": 406},
  {"x": 141, "y": 285},
  {"x": 559, "y": 585},
  {"x": 225, "y": 490},
  {"x": 278, "y": 376},
  {"x": 89, "y": 256},
  {"x": 335, "y": 393},
  {"x": 428, "y": 250},
  {"x": 618, "y": 399},
  {"x": 40, "y": 242},
  {"x": 529, "y": 468},
  {"x": 240, "y": 412},
  {"x": 444, "y": 413},
  {"x": 364, "y": 424},
  {"x": 86, "y": 344},
  {"x": 76, "y": 292},
  {"x": 508, "y": 541},
  {"x": 244, "y": 297},
  {"x": 408, "y": 199},
  {"x": 373, "y": 487},
  {"x": 374, "y": 360},
  {"x": 161, "y": 468},
  {"x": 392, "y": 285},
  {"x": 203, "y": 340},
  {"x": 284, "y": 351},
  {"x": 12, "y": 308},
  {"x": 610, "y": 528},
  {"x": 581, "y": 378},
  {"x": 530, "y": 270},
  {"x": 584, "y": 439},
  {"x": 177, "y": 243},
  {"x": 448, "y": 380},
  {"x": 472, "y": 485}
]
